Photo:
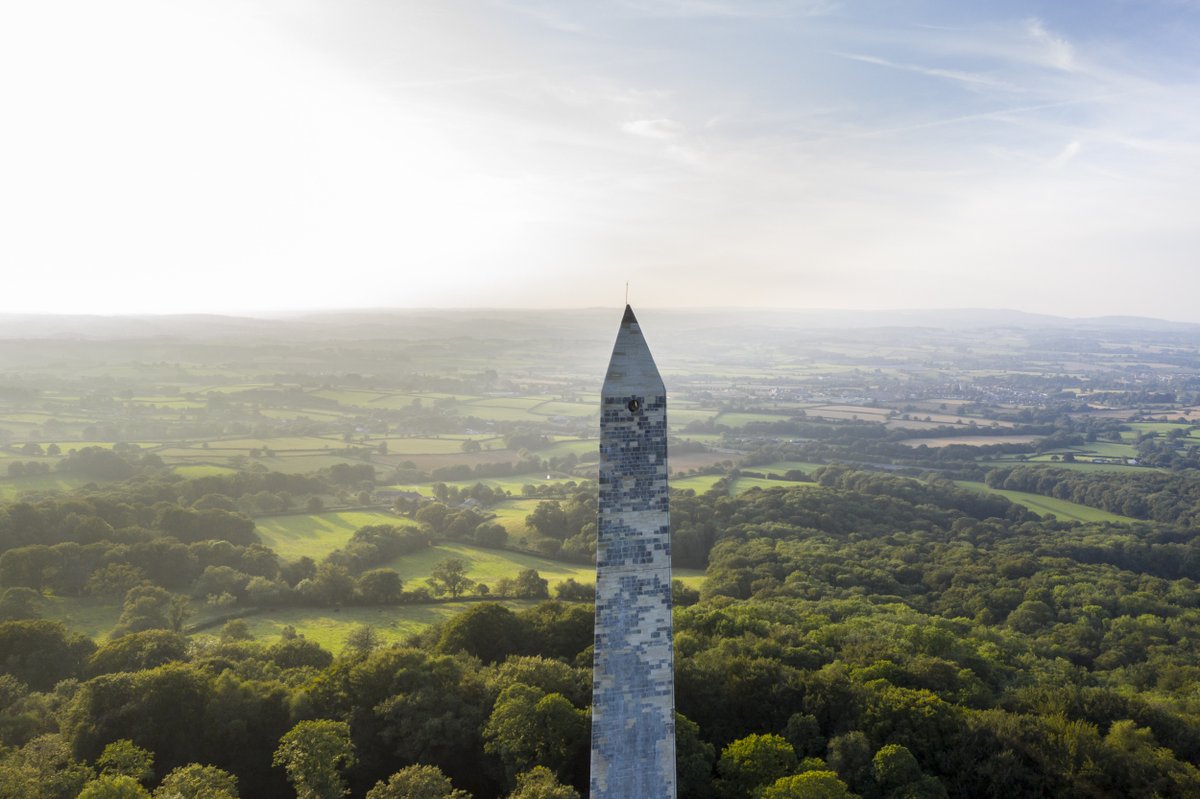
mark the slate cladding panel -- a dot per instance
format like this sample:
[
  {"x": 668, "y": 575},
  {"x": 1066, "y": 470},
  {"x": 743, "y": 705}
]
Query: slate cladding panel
[{"x": 633, "y": 703}]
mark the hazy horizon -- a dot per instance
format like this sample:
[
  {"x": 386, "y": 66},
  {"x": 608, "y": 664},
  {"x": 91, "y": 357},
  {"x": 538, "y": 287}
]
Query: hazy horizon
[
  {"x": 279, "y": 157},
  {"x": 38, "y": 324}
]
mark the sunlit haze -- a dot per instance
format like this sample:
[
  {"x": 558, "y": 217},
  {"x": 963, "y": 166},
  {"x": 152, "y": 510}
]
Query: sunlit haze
[{"x": 233, "y": 156}]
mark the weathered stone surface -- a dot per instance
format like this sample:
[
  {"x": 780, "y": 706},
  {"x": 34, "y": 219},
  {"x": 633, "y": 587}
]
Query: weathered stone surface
[{"x": 633, "y": 697}]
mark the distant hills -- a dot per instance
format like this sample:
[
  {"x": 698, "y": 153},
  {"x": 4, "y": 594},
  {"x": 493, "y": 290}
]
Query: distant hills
[{"x": 517, "y": 324}]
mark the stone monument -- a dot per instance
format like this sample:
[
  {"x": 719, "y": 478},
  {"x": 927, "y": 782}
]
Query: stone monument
[{"x": 633, "y": 677}]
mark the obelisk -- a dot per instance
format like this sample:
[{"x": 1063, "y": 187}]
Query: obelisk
[{"x": 633, "y": 676}]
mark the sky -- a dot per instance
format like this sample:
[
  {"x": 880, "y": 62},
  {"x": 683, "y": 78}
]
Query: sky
[{"x": 231, "y": 156}]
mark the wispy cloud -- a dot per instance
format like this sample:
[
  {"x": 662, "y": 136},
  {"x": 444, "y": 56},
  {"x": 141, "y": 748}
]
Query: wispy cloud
[
  {"x": 660, "y": 129},
  {"x": 747, "y": 9},
  {"x": 1055, "y": 50},
  {"x": 961, "y": 76},
  {"x": 1069, "y": 152}
]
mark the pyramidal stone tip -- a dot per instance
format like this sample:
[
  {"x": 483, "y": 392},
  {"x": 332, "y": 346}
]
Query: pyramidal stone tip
[{"x": 631, "y": 369}]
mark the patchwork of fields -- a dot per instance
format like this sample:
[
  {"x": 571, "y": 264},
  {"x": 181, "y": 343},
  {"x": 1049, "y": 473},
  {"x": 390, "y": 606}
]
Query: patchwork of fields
[{"x": 303, "y": 426}]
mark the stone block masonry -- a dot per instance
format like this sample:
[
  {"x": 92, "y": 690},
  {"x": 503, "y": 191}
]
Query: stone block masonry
[{"x": 633, "y": 678}]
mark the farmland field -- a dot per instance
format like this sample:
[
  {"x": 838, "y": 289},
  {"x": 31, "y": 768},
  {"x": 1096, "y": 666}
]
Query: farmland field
[
  {"x": 317, "y": 535},
  {"x": 744, "y": 484},
  {"x": 736, "y": 419},
  {"x": 486, "y": 565},
  {"x": 330, "y": 627},
  {"x": 1077, "y": 465},
  {"x": 698, "y": 483},
  {"x": 1061, "y": 508},
  {"x": 11, "y": 487},
  {"x": 779, "y": 467},
  {"x": 970, "y": 441}
]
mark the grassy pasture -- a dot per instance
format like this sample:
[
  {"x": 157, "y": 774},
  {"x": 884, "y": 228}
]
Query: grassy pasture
[
  {"x": 400, "y": 401},
  {"x": 1162, "y": 428},
  {"x": 698, "y": 483},
  {"x": 230, "y": 388},
  {"x": 703, "y": 438},
  {"x": 911, "y": 424},
  {"x": 692, "y": 578},
  {"x": 1109, "y": 449},
  {"x": 1061, "y": 508},
  {"x": 579, "y": 446},
  {"x": 743, "y": 484},
  {"x": 511, "y": 514},
  {"x": 523, "y": 403},
  {"x": 1078, "y": 465},
  {"x": 21, "y": 429},
  {"x": 349, "y": 396},
  {"x": 96, "y": 617},
  {"x": 861, "y": 410},
  {"x": 330, "y": 627},
  {"x": 573, "y": 409},
  {"x": 302, "y": 464},
  {"x": 699, "y": 460},
  {"x": 454, "y": 459},
  {"x": 444, "y": 445},
  {"x": 779, "y": 467},
  {"x": 319, "y": 534},
  {"x": 512, "y": 485},
  {"x": 202, "y": 470},
  {"x": 305, "y": 413},
  {"x": 191, "y": 453},
  {"x": 972, "y": 441},
  {"x": 486, "y": 565},
  {"x": 11, "y": 487},
  {"x": 682, "y": 417},
  {"x": 283, "y": 444},
  {"x": 1185, "y": 414},
  {"x": 499, "y": 413},
  {"x": 172, "y": 403},
  {"x": 87, "y": 615},
  {"x": 702, "y": 483},
  {"x": 68, "y": 445},
  {"x": 739, "y": 419}
]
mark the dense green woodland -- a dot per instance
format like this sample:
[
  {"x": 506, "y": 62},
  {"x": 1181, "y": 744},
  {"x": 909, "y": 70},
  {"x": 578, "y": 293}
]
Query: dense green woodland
[{"x": 859, "y": 635}]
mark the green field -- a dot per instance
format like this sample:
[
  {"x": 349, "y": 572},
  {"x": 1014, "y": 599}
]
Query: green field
[
  {"x": 303, "y": 464},
  {"x": 511, "y": 514},
  {"x": 743, "y": 484},
  {"x": 779, "y": 467},
  {"x": 486, "y": 565},
  {"x": 1077, "y": 465},
  {"x": 572, "y": 409},
  {"x": 703, "y": 482},
  {"x": 1162, "y": 428},
  {"x": 681, "y": 418},
  {"x": 96, "y": 617},
  {"x": 330, "y": 626},
  {"x": 698, "y": 483},
  {"x": 319, "y": 534},
  {"x": 87, "y": 615},
  {"x": 737, "y": 419},
  {"x": 11, "y": 487},
  {"x": 511, "y": 485},
  {"x": 1061, "y": 508},
  {"x": 282, "y": 444},
  {"x": 1108, "y": 449},
  {"x": 578, "y": 446},
  {"x": 445, "y": 445},
  {"x": 202, "y": 470}
]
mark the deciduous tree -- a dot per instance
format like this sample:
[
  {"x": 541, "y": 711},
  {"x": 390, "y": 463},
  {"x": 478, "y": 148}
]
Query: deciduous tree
[
  {"x": 313, "y": 753},
  {"x": 417, "y": 782}
]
